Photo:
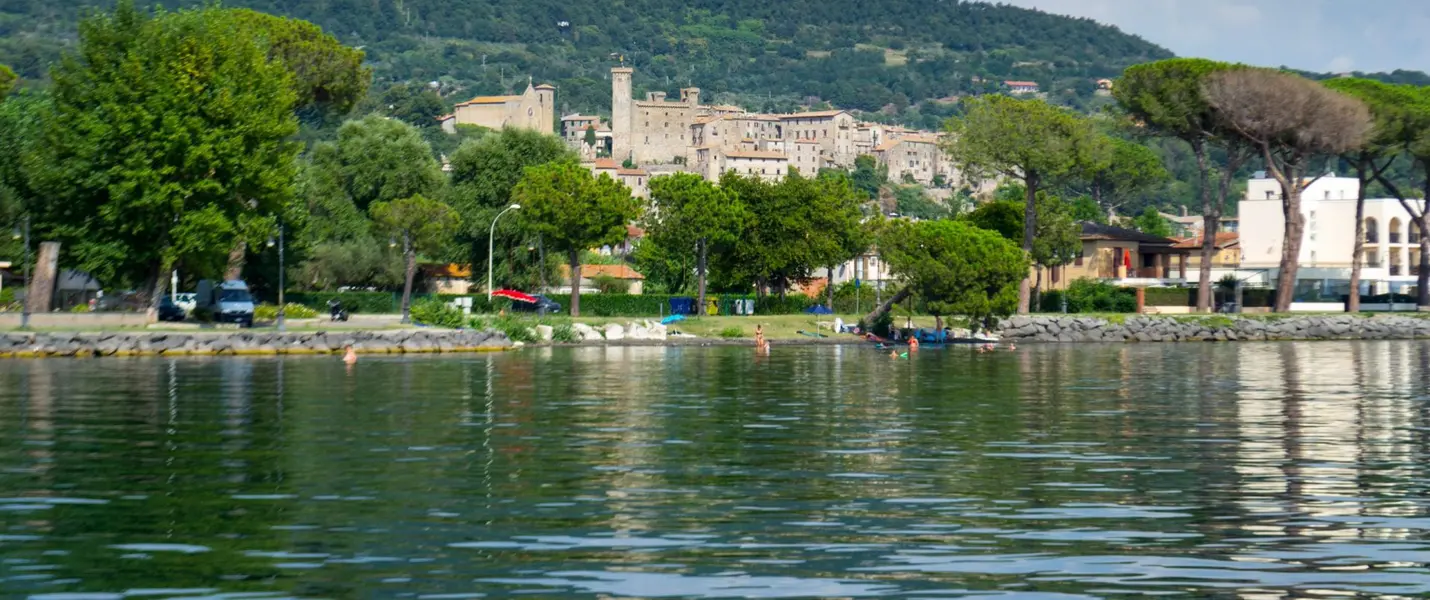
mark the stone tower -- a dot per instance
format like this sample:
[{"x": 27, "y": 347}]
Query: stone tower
[
  {"x": 621, "y": 113},
  {"x": 546, "y": 98}
]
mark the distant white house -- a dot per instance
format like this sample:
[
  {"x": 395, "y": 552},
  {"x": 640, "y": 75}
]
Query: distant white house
[
  {"x": 1392, "y": 251},
  {"x": 1019, "y": 88}
]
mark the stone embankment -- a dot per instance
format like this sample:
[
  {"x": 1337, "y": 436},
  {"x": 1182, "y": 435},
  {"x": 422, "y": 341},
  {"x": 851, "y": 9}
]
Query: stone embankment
[
  {"x": 1214, "y": 328},
  {"x": 18, "y": 344}
]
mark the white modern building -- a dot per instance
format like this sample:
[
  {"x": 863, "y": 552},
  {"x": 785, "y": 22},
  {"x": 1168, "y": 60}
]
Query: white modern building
[{"x": 1392, "y": 251}]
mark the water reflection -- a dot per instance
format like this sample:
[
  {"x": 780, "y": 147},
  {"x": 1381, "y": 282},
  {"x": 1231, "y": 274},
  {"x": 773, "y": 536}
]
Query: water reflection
[{"x": 1252, "y": 471}]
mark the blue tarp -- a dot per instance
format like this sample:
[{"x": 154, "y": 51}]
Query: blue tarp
[
  {"x": 819, "y": 309},
  {"x": 682, "y": 306},
  {"x": 672, "y": 319}
]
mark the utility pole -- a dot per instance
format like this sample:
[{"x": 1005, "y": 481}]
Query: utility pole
[{"x": 29, "y": 288}]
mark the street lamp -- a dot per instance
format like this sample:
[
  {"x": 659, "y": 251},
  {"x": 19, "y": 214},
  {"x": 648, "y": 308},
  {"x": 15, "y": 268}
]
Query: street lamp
[
  {"x": 29, "y": 287},
  {"x": 491, "y": 245},
  {"x": 282, "y": 305}
]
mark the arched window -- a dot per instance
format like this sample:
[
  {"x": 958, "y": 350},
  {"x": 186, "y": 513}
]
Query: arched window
[{"x": 1395, "y": 231}]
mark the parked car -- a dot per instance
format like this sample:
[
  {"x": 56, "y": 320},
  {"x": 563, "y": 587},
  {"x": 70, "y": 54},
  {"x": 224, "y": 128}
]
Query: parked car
[
  {"x": 168, "y": 311},
  {"x": 542, "y": 306}
]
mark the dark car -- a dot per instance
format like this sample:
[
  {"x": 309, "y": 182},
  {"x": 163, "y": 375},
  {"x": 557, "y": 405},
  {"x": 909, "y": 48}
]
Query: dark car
[
  {"x": 542, "y": 306},
  {"x": 168, "y": 311}
]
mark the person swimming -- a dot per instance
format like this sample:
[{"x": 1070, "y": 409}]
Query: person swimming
[{"x": 349, "y": 354}]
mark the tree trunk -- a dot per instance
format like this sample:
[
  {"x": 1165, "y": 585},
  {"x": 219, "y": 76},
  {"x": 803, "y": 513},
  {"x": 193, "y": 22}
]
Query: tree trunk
[
  {"x": 236, "y": 257},
  {"x": 159, "y": 287},
  {"x": 541, "y": 268},
  {"x": 1422, "y": 280},
  {"x": 409, "y": 256},
  {"x": 1037, "y": 303},
  {"x": 1358, "y": 248},
  {"x": 1291, "y": 246},
  {"x": 886, "y": 306},
  {"x": 1210, "y": 217},
  {"x": 1030, "y": 224},
  {"x": 700, "y": 251},
  {"x": 573, "y": 260},
  {"x": 830, "y": 288}
]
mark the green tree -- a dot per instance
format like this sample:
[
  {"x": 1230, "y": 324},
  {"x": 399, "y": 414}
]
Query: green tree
[
  {"x": 22, "y": 163},
  {"x": 1169, "y": 98},
  {"x": 1058, "y": 238},
  {"x": 694, "y": 215},
  {"x": 1000, "y": 216},
  {"x": 1029, "y": 141},
  {"x": 382, "y": 160},
  {"x": 413, "y": 103},
  {"x": 166, "y": 132},
  {"x": 1152, "y": 222},
  {"x": 484, "y": 173},
  {"x": 423, "y": 225},
  {"x": 955, "y": 267},
  {"x": 1415, "y": 144},
  {"x": 1133, "y": 170},
  {"x": 1394, "y": 125},
  {"x": 838, "y": 222},
  {"x": 573, "y": 211},
  {"x": 869, "y": 175},
  {"x": 590, "y": 138},
  {"x": 8, "y": 80},
  {"x": 914, "y": 202},
  {"x": 1085, "y": 208},
  {"x": 327, "y": 76},
  {"x": 1289, "y": 120}
]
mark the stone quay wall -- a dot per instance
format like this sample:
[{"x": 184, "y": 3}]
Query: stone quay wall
[
  {"x": 1137, "y": 328},
  {"x": 247, "y": 342}
]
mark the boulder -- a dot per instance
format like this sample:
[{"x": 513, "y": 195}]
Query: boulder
[
  {"x": 615, "y": 332},
  {"x": 545, "y": 332}
]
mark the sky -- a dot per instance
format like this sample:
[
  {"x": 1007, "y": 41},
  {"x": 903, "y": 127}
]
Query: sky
[{"x": 1314, "y": 35}]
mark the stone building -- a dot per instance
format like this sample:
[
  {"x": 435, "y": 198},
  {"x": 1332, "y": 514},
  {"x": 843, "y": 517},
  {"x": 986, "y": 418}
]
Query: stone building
[
  {"x": 652, "y": 130},
  {"x": 917, "y": 156},
  {"x": 832, "y": 129},
  {"x": 573, "y": 131},
  {"x": 533, "y": 109},
  {"x": 638, "y": 180}
]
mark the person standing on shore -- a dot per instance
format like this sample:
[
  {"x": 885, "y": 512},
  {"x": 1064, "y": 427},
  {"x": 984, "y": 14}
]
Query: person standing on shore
[{"x": 759, "y": 336}]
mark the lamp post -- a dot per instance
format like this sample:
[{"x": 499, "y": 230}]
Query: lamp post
[
  {"x": 491, "y": 247},
  {"x": 282, "y": 306}
]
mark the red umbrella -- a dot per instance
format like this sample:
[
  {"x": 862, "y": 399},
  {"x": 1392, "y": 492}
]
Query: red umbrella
[{"x": 515, "y": 295}]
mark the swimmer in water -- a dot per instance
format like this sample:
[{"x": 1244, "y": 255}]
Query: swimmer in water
[{"x": 349, "y": 354}]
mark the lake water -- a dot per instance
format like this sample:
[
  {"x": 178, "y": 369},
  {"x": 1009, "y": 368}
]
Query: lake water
[{"x": 1200, "y": 470}]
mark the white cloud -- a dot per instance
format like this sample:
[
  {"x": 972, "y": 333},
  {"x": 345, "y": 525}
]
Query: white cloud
[{"x": 1340, "y": 64}]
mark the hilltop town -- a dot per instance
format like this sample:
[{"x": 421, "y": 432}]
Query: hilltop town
[{"x": 659, "y": 135}]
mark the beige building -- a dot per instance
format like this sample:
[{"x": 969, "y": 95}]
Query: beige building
[
  {"x": 832, "y": 129},
  {"x": 533, "y": 109},
  {"x": 765, "y": 164},
  {"x": 638, "y": 180},
  {"x": 655, "y": 129},
  {"x": 573, "y": 130},
  {"x": 917, "y": 156}
]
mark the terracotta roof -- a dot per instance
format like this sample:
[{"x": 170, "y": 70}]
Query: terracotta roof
[
  {"x": 634, "y": 232},
  {"x": 727, "y": 108},
  {"x": 887, "y": 145},
  {"x": 1224, "y": 239},
  {"x": 606, "y": 163},
  {"x": 579, "y": 117},
  {"x": 592, "y": 271},
  {"x": 813, "y": 115},
  {"x": 756, "y": 154},
  {"x": 641, "y": 172},
  {"x": 545, "y": 86},
  {"x": 490, "y": 100},
  {"x": 706, "y": 119},
  {"x": 1021, "y": 83},
  {"x": 448, "y": 270},
  {"x": 445, "y": 117}
]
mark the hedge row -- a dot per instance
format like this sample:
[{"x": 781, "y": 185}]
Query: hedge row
[
  {"x": 1084, "y": 296},
  {"x": 592, "y": 305}
]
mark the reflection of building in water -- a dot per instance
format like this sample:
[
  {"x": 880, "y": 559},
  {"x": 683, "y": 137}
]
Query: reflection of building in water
[{"x": 1313, "y": 418}]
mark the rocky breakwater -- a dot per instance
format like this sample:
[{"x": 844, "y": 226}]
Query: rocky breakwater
[
  {"x": 1138, "y": 328},
  {"x": 248, "y": 342}
]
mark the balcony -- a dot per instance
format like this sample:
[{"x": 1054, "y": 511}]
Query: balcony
[
  {"x": 1372, "y": 237},
  {"x": 1395, "y": 238},
  {"x": 1395, "y": 270}
]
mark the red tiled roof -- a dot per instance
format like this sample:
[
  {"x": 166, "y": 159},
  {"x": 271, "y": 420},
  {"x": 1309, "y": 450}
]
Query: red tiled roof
[
  {"x": 607, "y": 163},
  {"x": 1223, "y": 239}
]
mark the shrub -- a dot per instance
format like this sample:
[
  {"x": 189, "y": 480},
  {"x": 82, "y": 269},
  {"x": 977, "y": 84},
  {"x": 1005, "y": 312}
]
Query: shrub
[
  {"x": 82, "y": 307},
  {"x": 880, "y": 326},
  {"x": 732, "y": 332},
  {"x": 478, "y": 323},
  {"x": 611, "y": 285},
  {"x": 269, "y": 312},
  {"x": 436, "y": 313},
  {"x": 516, "y": 330},
  {"x": 1170, "y": 296},
  {"x": 7, "y": 298},
  {"x": 1089, "y": 295},
  {"x": 564, "y": 333}
]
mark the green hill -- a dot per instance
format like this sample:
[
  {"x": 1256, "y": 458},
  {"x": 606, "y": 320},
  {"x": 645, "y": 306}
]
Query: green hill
[{"x": 766, "y": 54}]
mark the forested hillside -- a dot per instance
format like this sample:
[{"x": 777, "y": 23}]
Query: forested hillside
[{"x": 850, "y": 53}]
